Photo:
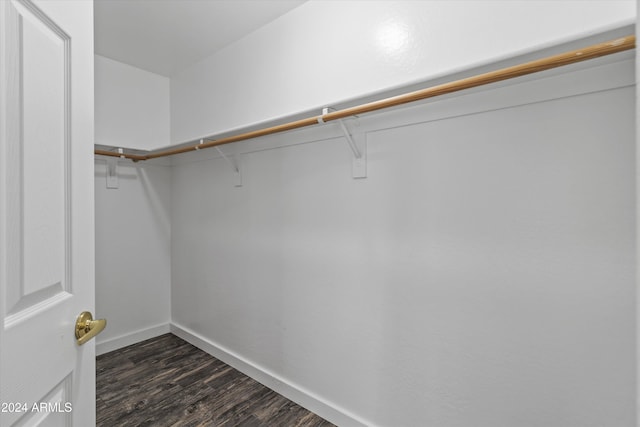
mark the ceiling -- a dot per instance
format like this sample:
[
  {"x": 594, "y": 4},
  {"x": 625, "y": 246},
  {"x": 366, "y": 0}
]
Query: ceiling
[{"x": 165, "y": 36}]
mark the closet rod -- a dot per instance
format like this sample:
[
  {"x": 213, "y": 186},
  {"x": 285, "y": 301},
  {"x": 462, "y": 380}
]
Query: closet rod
[{"x": 590, "y": 52}]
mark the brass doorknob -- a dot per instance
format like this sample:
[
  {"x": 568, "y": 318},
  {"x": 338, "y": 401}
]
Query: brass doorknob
[{"x": 87, "y": 328}]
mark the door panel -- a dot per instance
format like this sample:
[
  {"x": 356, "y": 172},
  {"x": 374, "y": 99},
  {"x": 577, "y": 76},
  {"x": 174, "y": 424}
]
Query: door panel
[
  {"x": 38, "y": 219},
  {"x": 45, "y": 112},
  {"x": 46, "y": 211}
]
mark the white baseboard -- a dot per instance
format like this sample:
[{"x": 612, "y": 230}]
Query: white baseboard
[
  {"x": 292, "y": 392},
  {"x": 131, "y": 338}
]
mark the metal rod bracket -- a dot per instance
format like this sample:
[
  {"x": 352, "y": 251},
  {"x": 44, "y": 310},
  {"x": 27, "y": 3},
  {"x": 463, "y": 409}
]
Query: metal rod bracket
[
  {"x": 357, "y": 145},
  {"x": 237, "y": 176},
  {"x": 359, "y": 163},
  {"x": 112, "y": 172}
]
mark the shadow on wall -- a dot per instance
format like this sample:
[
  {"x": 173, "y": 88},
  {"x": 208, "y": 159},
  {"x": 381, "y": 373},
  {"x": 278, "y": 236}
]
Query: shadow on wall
[{"x": 133, "y": 249}]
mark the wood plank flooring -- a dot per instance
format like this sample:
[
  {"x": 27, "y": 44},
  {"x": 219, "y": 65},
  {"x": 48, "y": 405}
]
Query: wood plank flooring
[{"x": 166, "y": 381}]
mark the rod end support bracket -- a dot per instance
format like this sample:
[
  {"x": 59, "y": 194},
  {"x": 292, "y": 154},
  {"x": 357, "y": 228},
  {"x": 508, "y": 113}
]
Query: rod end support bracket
[
  {"x": 112, "y": 172},
  {"x": 359, "y": 164}
]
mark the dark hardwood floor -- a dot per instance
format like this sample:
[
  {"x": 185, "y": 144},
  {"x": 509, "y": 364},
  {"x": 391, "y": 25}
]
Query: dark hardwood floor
[{"x": 166, "y": 381}]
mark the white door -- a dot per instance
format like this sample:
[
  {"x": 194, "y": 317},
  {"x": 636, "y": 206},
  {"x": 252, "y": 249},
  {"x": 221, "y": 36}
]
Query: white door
[{"x": 46, "y": 212}]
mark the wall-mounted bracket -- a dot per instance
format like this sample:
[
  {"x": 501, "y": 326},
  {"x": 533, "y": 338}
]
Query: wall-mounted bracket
[
  {"x": 234, "y": 166},
  {"x": 112, "y": 172},
  {"x": 357, "y": 145}
]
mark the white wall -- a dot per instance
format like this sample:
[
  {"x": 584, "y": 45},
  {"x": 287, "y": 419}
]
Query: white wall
[
  {"x": 132, "y": 106},
  {"x": 133, "y": 256},
  {"x": 482, "y": 275},
  {"x": 133, "y": 233},
  {"x": 325, "y": 52}
]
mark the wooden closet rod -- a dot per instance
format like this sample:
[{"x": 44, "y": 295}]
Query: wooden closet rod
[{"x": 578, "y": 55}]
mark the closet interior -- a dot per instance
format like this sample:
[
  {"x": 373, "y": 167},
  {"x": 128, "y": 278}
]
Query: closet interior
[{"x": 441, "y": 237}]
